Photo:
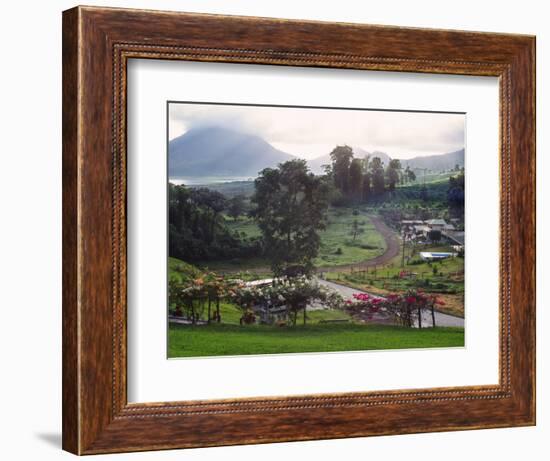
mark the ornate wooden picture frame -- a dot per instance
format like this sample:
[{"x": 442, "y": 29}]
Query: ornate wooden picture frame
[{"x": 97, "y": 44}]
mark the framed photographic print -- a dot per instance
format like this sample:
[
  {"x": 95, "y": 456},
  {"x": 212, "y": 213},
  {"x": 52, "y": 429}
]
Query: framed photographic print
[{"x": 284, "y": 230}]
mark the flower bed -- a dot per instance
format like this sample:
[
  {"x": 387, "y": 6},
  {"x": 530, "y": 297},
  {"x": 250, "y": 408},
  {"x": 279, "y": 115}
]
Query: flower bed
[{"x": 280, "y": 301}]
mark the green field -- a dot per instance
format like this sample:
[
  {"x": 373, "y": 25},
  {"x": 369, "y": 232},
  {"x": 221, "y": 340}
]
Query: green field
[
  {"x": 432, "y": 195},
  {"x": 337, "y": 244},
  {"x": 222, "y": 339},
  {"x": 445, "y": 276}
]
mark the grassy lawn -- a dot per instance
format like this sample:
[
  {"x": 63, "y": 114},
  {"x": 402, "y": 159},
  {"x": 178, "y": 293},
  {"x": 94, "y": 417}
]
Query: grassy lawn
[
  {"x": 327, "y": 314},
  {"x": 181, "y": 271},
  {"x": 231, "y": 314},
  {"x": 244, "y": 226},
  {"x": 223, "y": 339},
  {"x": 247, "y": 269},
  {"x": 337, "y": 244}
]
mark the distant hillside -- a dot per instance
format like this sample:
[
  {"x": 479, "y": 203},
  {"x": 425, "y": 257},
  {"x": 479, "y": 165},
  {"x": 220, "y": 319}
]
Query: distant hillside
[
  {"x": 362, "y": 153},
  {"x": 219, "y": 151},
  {"x": 216, "y": 151},
  {"x": 437, "y": 162},
  {"x": 316, "y": 164}
]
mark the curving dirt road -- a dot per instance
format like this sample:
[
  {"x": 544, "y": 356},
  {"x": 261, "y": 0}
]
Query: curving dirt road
[{"x": 392, "y": 249}]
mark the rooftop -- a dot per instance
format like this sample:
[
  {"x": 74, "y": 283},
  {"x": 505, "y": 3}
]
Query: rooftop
[{"x": 436, "y": 222}]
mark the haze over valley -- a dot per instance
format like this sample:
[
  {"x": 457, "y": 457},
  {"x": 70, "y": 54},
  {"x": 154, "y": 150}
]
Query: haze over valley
[{"x": 219, "y": 153}]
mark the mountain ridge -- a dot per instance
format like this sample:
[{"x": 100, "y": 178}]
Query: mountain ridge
[
  {"x": 223, "y": 152},
  {"x": 218, "y": 151}
]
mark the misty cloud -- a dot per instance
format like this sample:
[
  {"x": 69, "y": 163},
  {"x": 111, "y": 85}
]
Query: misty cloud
[{"x": 310, "y": 133}]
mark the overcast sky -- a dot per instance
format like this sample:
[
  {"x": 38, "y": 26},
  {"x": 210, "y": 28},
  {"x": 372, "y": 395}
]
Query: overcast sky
[{"x": 310, "y": 133}]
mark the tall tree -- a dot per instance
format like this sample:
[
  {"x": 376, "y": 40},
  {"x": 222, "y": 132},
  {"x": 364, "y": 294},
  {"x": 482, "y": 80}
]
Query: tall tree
[
  {"x": 409, "y": 174},
  {"x": 393, "y": 173},
  {"x": 377, "y": 175},
  {"x": 341, "y": 157},
  {"x": 236, "y": 207},
  {"x": 434, "y": 235},
  {"x": 212, "y": 203},
  {"x": 291, "y": 205},
  {"x": 455, "y": 195},
  {"x": 355, "y": 229},
  {"x": 356, "y": 179},
  {"x": 366, "y": 187}
]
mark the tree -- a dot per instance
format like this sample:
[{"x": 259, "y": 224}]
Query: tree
[
  {"x": 424, "y": 193},
  {"x": 212, "y": 204},
  {"x": 197, "y": 231},
  {"x": 355, "y": 229},
  {"x": 409, "y": 175},
  {"x": 393, "y": 172},
  {"x": 366, "y": 190},
  {"x": 455, "y": 196},
  {"x": 455, "y": 193},
  {"x": 434, "y": 235},
  {"x": 356, "y": 179},
  {"x": 341, "y": 157},
  {"x": 236, "y": 207},
  {"x": 377, "y": 175},
  {"x": 366, "y": 187},
  {"x": 291, "y": 206}
]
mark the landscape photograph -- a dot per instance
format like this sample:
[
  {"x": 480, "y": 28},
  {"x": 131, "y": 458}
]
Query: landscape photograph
[{"x": 312, "y": 229}]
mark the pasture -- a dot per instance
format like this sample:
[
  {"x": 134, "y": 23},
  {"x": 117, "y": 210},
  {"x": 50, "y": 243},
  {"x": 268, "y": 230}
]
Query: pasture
[{"x": 228, "y": 340}]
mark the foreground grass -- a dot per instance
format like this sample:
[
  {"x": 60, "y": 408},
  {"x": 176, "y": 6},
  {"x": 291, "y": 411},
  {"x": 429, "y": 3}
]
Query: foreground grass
[{"x": 222, "y": 339}]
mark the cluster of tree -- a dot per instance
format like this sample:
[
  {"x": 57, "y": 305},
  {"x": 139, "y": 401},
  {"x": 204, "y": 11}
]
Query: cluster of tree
[
  {"x": 197, "y": 229},
  {"x": 290, "y": 208},
  {"x": 357, "y": 179}
]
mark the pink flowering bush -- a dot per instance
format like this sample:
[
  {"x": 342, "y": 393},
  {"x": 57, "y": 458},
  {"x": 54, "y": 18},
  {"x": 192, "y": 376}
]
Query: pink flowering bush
[
  {"x": 405, "y": 309},
  {"x": 365, "y": 305}
]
